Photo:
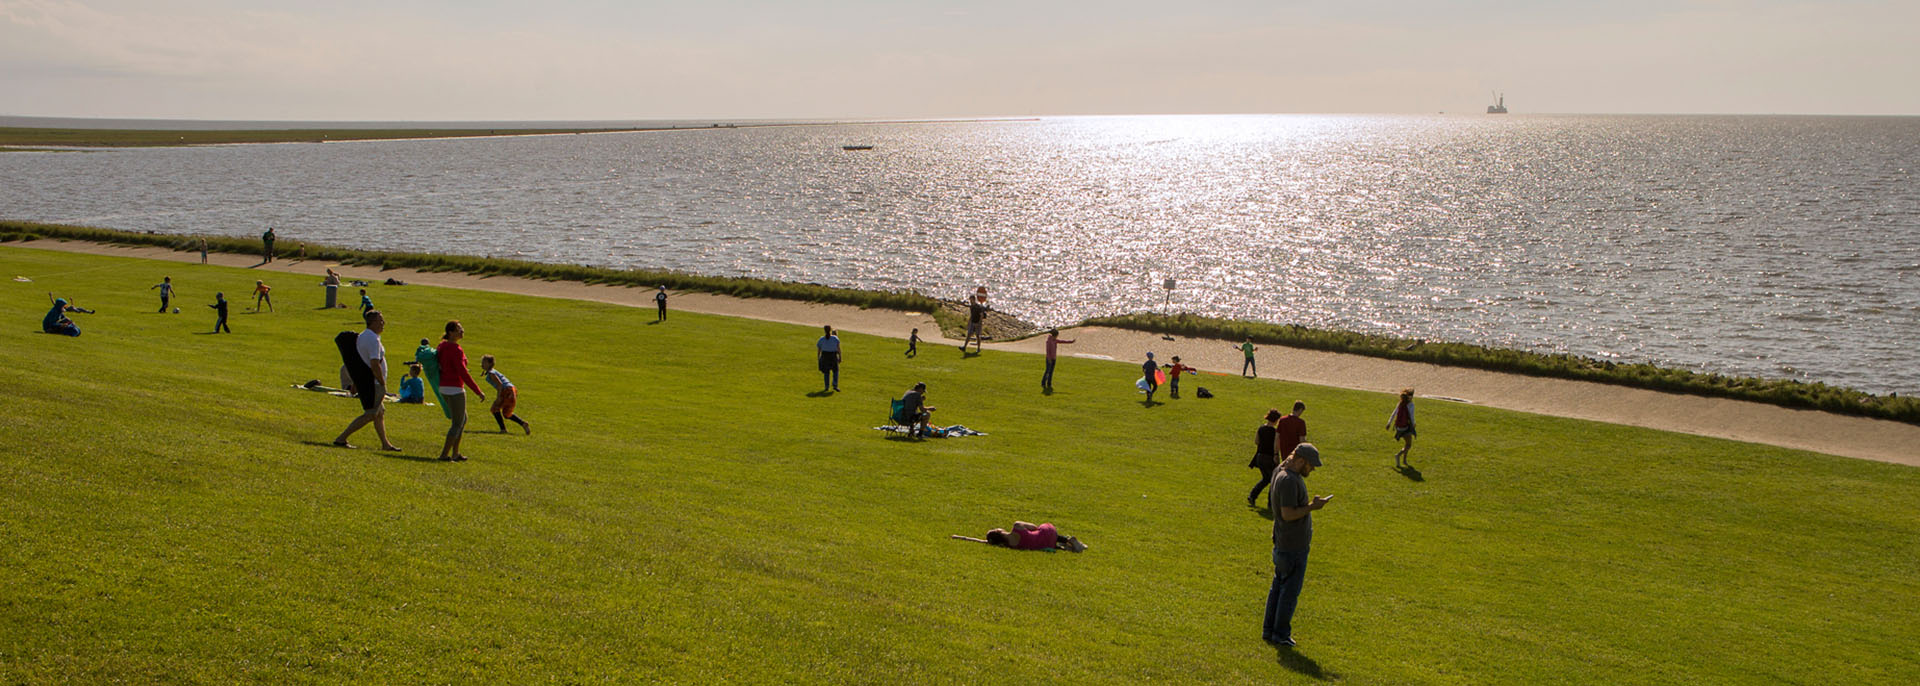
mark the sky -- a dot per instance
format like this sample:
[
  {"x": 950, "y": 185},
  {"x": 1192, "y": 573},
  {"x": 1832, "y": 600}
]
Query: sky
[{"x": 500, "y": 60}]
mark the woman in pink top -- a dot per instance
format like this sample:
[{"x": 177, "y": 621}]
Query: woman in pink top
[
  {"x": 453, "y": 380},
  {"x": 1026, "y": 536}
]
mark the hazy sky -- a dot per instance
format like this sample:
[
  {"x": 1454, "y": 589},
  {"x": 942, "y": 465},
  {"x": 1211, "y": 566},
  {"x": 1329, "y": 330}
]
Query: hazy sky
[{"x": 606, "y": 59}]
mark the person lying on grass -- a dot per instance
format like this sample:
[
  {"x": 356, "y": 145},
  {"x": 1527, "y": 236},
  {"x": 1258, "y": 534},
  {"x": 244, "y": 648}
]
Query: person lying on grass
[
  {"x": 1025, "y": 536},
  {"x": 56, "y": 321}
]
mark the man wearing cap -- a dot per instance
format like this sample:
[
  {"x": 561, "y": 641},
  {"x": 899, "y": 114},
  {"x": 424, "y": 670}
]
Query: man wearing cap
[{"x": 1292, "y": 535}]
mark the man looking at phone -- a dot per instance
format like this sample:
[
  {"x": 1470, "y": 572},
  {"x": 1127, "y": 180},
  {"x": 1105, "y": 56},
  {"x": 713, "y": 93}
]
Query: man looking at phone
[{"x": 1292, "y": 535}]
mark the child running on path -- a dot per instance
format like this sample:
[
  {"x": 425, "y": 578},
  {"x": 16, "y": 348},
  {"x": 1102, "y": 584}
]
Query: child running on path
[
  {"x": 220, "y": 305},
  {"x": 504, "y": 398},
  {"x": 260, "y": 296},
  {"x": 1173, "y": 375},
  {"x": 166, "y": 292},
  {"x": 1401, "y": 421}
]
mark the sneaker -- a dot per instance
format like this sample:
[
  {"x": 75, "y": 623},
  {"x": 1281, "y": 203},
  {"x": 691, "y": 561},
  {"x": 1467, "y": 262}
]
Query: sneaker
[
  {"x": 1252, "y": 501},
  {"x": 1282, "y": 642}
]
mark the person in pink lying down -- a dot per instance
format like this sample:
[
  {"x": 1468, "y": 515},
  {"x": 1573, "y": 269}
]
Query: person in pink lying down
[{"x": 1025, "y": 536}]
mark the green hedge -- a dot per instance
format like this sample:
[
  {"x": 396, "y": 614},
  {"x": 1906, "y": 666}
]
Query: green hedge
[
  {"x": 906, "y": 301},
  {"x": 1782, "y": 392}
]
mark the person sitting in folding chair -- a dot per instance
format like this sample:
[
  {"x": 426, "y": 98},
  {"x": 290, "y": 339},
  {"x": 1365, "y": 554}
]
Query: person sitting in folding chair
[{"x": 912, "y": 411}]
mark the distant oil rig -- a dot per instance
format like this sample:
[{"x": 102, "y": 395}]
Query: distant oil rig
[{"x": 1499, "y": 105}]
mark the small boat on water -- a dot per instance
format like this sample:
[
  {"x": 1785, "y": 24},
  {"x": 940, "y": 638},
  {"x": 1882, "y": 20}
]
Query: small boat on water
[
  {"x": 856, "y": 147},
  {"x": 1499, "y": 105}
]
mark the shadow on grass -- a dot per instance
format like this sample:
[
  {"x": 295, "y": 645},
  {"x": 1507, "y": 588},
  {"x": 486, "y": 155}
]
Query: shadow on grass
[
  {"x": 1265, "y": 513},
  {"x": 656, "y": 321},
  {"x": 1151, "y": 403},
  {"x": 1046, "y": 391},
  {"x": 375, "y": 450},
  {"x": 903, "y": 438},
  {"x": 1411, "y": 473},
  {"x": 1292, "y": 659},
  {"x": 820, "y": 394}
]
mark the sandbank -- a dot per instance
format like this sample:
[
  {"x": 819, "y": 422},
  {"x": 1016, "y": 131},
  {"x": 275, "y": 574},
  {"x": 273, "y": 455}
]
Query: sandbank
[{"x": 1812, "y": 430}]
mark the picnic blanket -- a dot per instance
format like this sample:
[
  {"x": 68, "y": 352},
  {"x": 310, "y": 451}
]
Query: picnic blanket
[{"x": 955, "y": 431}]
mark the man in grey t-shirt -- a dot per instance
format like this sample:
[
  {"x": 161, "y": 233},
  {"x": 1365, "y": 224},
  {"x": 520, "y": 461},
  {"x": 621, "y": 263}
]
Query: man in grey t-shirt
[{"x": 1292, "y": 536}]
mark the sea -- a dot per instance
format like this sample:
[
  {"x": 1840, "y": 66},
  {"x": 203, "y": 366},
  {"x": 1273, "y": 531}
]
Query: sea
[{"x": 1771, "y": 246}]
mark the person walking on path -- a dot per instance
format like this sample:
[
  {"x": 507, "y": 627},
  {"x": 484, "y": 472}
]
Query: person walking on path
[
  {"x": 829, "y": 349},
  {"x": 660, "y": 299},
  {"x": 1053, "y": 351},
  {"x": 1173, "y": 376},
  {"x": 1276, "y": 441},
  {"x": 366, "y": 360},
  {"x": 976, "y": 321},
  {"x": 454, "y": 379},
  {"x": 203, "y": 251},
  {"x": 166, "y": 292},
  {"x": 505, "y": 396},
  {"x": 220, "y": 306},
  {"x": 913, "y": 344},
  {"x": 1292, "y": 537},
  {"x": 1151, "y": 370},
  {"x": 262, "y": 295},
  {"x": 1401, "y": 422},
  {"x": 266, "y": 239},
  {"x": 1248, "y": 368}
]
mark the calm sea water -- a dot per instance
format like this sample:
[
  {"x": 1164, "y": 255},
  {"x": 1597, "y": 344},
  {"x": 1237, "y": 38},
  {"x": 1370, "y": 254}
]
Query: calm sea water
[{"x": 1784, "y": 247}]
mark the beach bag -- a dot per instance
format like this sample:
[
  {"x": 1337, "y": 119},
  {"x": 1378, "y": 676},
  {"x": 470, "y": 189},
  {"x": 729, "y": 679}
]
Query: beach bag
[
  {"x": 1142, "y": 384},
  {"x": 1202, "y": 392}
]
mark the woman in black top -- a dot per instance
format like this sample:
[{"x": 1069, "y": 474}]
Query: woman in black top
[{"x": 1263, "y": 458}]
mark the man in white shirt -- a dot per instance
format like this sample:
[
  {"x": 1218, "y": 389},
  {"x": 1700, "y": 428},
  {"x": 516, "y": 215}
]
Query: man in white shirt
[{"x": 368, "y": 364}]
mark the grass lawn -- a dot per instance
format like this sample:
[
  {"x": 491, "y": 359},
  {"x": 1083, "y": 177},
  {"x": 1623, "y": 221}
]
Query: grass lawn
[{"x": 688, "y": 510}]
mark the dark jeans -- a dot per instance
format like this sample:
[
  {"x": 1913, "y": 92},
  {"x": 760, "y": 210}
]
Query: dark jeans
[
  {"x": 829, "y": 374},
  {"x": 663, "y": 311},
  {"x": 1266, "y": 478},
  {"x": 221, "y": 325},
  {"x": 1244, "y": 366},
  {"x": 1175, "y": 383},
  {"x": 1289, "y": 571},
  {"x": 1046, "y": 380}
]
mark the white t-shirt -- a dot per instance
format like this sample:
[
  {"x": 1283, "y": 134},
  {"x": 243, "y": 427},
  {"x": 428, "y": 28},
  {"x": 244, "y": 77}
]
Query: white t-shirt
[{"x": 370, "y": 348}]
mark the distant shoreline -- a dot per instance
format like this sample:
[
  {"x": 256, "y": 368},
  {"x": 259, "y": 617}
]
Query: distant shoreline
[{"x": 19, "y": 139}]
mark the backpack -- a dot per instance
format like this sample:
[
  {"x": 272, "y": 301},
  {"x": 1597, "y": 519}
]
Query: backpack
[{"x": 1202, "y": 392}]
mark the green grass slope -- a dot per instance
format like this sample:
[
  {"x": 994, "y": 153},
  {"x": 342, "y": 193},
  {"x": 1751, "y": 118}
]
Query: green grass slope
[{"x": 687, "y": 511}]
